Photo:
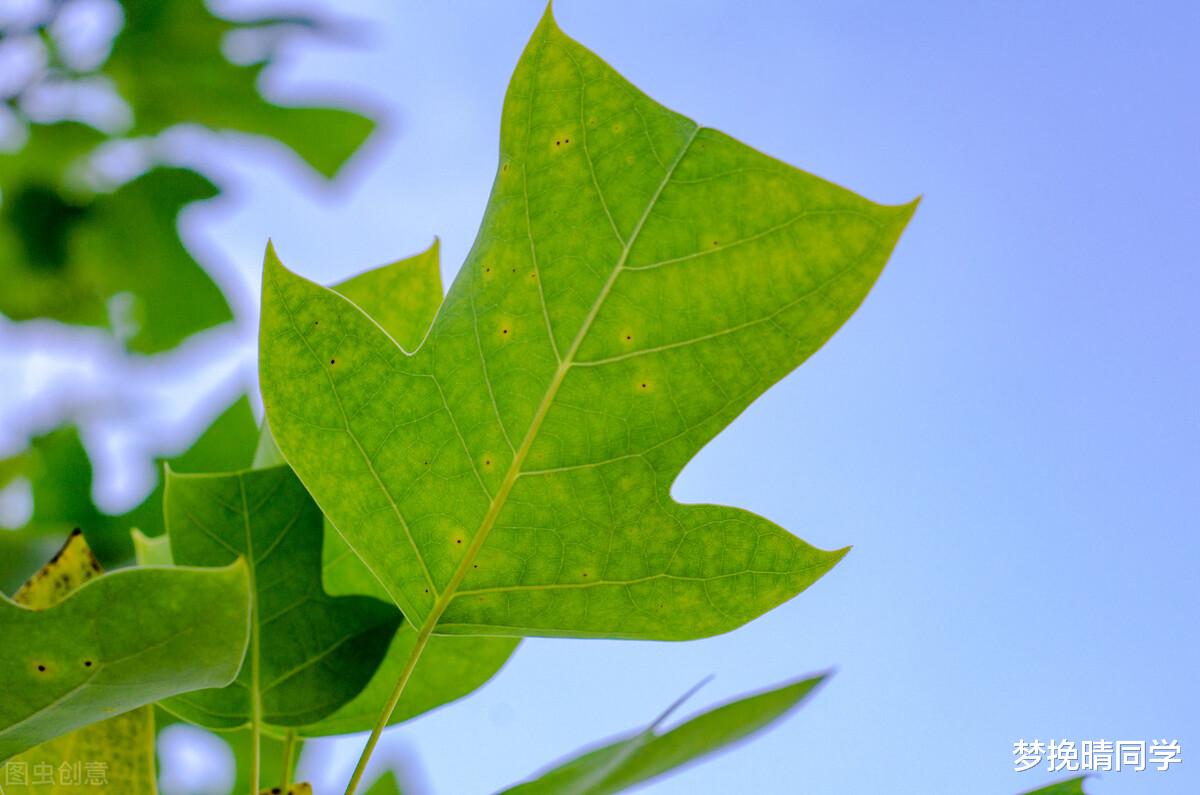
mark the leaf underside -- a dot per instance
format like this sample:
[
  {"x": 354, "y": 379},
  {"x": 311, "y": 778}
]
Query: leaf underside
[
  {"x": 402, "y": 297},
  {"x": 638, "y": 280},
  {"x": 313, "y": 652},
  {"x": 115, "y": 643}
]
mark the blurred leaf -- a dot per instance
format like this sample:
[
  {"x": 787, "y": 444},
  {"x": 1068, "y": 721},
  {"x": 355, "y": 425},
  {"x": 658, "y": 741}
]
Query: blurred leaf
[
  {"x": 130, "y": 244},
  {"x": 1072, "y": 786},
  {"x": 637, "y": 281},
  {"x": 120, "y": 641},
  {"x": 646, "y": 754},
  {"x": 60, "y": 474},
  {"x": 309, "y": 653},
  {"x": 123, "y": 744},
  {"x": 69, "y": 254},
  {"x": 167, "y": 64},
  {"x": 386, "y": 785}
]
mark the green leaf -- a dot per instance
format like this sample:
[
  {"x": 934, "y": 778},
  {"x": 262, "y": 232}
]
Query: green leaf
[
  {"x": 1072, "y": 786},
  {"x": 386, "y": 785},
  {"x": 60, "y": 474},
  {"x": 402, "y": 298},
  {"x": 124, "y": 744},
  {"x": 167, "y": 64},
  {"x": 637, "y": 282},
  {"x": 120, "y": 641},
  {"x": 644, "y": 755},
  {"x": 79, "y": 256},
  {"x": 309, "y": 653},
  {"x": 129, "y": 245},
  {"x": 152, "y": 551}
]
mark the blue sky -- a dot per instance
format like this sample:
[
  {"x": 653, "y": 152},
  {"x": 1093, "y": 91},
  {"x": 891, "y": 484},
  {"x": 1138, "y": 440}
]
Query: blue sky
[{"x": 1007, "y": 431}]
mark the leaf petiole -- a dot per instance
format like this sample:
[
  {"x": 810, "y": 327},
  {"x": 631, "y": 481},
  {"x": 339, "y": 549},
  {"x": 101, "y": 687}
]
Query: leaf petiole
[{"x": 289, "y": 751}]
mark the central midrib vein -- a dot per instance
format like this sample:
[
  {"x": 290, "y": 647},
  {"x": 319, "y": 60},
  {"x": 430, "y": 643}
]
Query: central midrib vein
[
  {"x": 564, "y": 366},
  {"x": 446, "y": 596}
]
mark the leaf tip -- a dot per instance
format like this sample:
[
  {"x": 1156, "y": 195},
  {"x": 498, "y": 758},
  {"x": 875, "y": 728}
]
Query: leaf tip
[
  {"x": 271, "y": 259},
  {"x": 910, "y": 208},
  {"x": 548, "y": 23}
]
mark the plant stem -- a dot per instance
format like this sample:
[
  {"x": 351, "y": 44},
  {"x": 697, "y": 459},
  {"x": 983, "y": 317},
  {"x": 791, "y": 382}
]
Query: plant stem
[{"x": 289, "y": 749}]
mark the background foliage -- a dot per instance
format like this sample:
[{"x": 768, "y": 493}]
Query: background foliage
[{"x": 83, "y": 245}]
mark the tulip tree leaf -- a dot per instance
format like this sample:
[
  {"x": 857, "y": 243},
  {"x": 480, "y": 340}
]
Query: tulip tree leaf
[
  {"x": 309, "y": 653},
  {"x": 644, "y": 755},
  {"x": 637, "y": 282},
  {"x": 403, "y": 298},
  {"x": 124, "y": 744},
  {"x": 116, "y": 643}
]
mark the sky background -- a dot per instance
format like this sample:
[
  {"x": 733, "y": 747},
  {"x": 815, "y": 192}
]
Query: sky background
[{"x": 1007, "y": 431}]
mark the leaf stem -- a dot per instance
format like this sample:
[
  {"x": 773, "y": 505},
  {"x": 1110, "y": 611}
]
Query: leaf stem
[
  {"x": 415, "y": 655},
  {"x": 289, "y": 750},
  {"x": 255, "y": 751},
  {"x": 255, "y": 654}
]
